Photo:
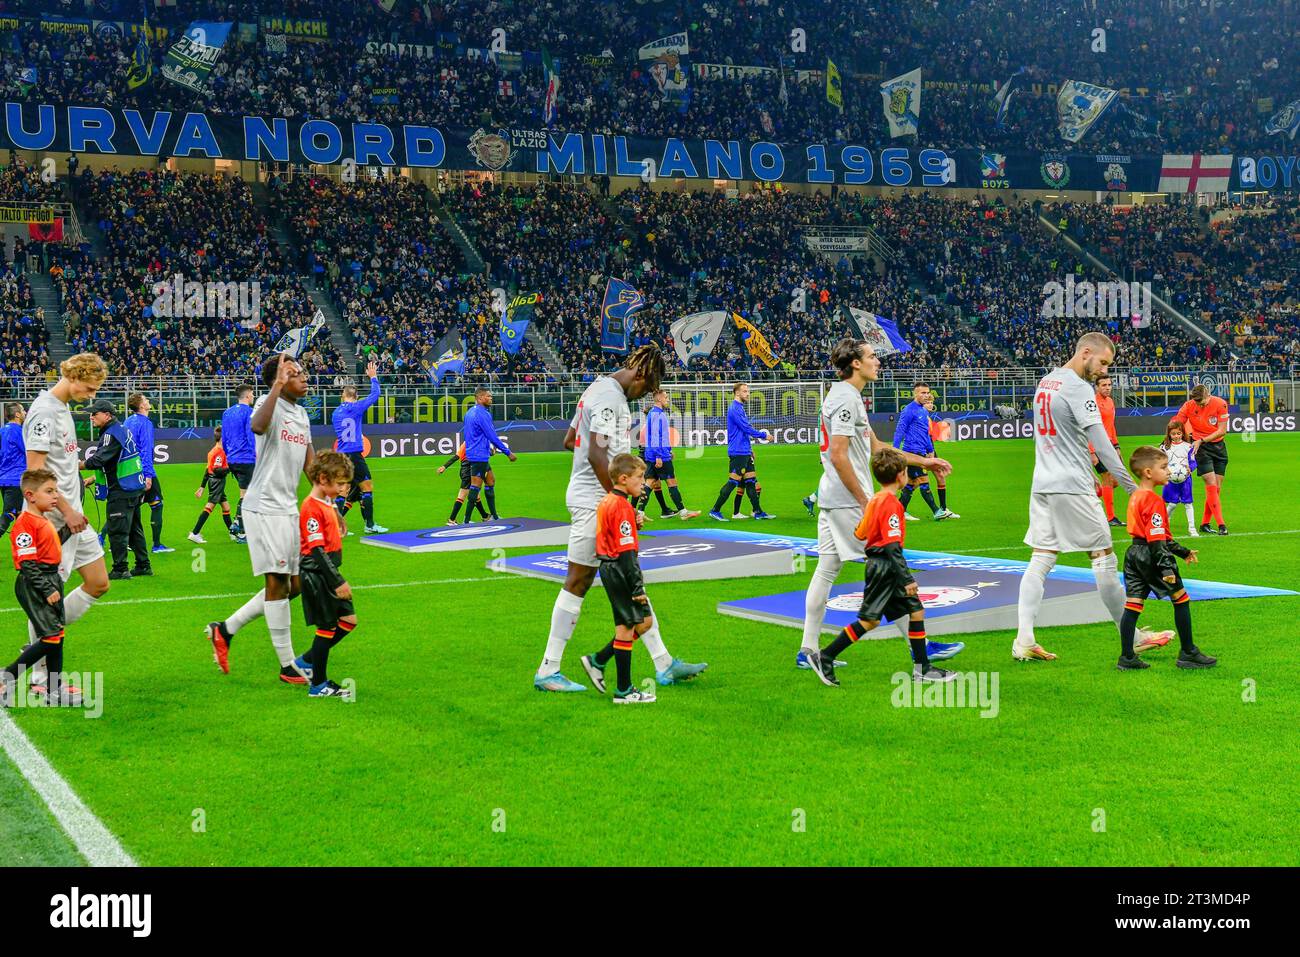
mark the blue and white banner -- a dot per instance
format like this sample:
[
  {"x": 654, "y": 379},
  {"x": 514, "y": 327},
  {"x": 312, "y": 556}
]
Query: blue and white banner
[
  {"x": 678, "y": 43},
  {"x": 1285, "y": 120},
  {"x": 1079, "y": 105},
  {"x": 881, "y": 333},
  {"x": 697, "y": 334},
  {"x": 445, "y": 357},
  {"x": 191, "y": 59},
  {"x": 902, "y": 103},
  {"x": 1002, "y": 100},
  {"x": 621, "y": 303}
]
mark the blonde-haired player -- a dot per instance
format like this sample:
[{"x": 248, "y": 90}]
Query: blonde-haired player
[{"x": 51, "y": 441}]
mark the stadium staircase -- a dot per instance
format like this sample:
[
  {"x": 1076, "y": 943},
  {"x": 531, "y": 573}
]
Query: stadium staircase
[
  {"x": 340, "y": 334},
  {"x": 44, "y": 296},
  {"x": 1194, "y": 328}
]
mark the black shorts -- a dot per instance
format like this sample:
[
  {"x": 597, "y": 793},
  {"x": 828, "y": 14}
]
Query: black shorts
[
  {"x": 663, "y": 472},
  {"x": 627, "y": 611},
  {"x": 884, "y": 594},
  {"x": 1143, "y": 578},
  {"x": 154, "y": 493},
  {"x": 1212, "y": 457},
  {"x": 464, "y": 475},
  {"x": 243, "y": 473},
  {"x": 740, "y": 464},
  {"x": 47, "y": 619},
  {"x": 479, "y": 469},
  {"x": 915, "y": 472},
  {"x": 12, "y": 496},
  {"x": 360, "y": 469},
  {"x": 216, "y": 490},
  {"x": 320, "y": 607}
]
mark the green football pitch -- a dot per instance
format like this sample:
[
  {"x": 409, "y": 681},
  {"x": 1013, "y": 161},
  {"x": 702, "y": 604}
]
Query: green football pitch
[{"x": 448, "y": 755}]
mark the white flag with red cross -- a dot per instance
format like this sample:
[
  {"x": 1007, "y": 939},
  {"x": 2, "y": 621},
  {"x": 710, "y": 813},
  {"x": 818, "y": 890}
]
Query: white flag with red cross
[{"x": 1195, "y": 173}]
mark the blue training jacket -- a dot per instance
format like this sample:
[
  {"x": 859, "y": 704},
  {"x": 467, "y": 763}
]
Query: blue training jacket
[
  {"x": 658, "y": 442},
  {"x": 13, "y": 454},
  {"x": 481, "y": 435},
  {"x": 912, "y": 431},
  {"x": 141, "y": 429},
  {"x": 739, "y": 431},
  {"x": 237, "y": 435},
  {"x": 347, "y": 420}
]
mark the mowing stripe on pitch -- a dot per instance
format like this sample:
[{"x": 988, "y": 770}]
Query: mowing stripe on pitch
[
  {"x": 91, "y": 838},
  {"x": 244, "y": 594}
]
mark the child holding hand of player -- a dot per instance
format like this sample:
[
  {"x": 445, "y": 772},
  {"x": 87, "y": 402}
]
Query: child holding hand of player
[
  {"x": 620, "y": 573},
  {"x": 1181, "y": 462},
  {"x": 326, "y": 595},
  {"x": 214, "y": 484},
  {"x": 37, "y": 553},
  {"x": 890, "y": 590},
  {"x": 1150, "y": 566}
]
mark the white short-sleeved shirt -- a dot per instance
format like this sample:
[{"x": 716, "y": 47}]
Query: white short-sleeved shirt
[
  {"x": 49, "y": 428},
  {"x": 281, "y": 454},
  {"x": 1065, "y": 406},
  {"x": 602, "y": 411},
  {"x": 843, "y": 413}
]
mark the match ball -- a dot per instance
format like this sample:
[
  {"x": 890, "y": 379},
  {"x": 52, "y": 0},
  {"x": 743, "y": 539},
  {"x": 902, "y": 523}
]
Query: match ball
[{"x": 1178, "y": 472}]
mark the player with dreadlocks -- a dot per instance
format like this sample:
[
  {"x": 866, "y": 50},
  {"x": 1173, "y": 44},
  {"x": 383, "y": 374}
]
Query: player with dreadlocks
[{"x": 601, "y": 429}]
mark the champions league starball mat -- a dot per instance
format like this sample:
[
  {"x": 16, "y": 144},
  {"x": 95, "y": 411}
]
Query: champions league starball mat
[
  {"x": 501, "y": 533},
  {"x": 961, "y": 593},
  {"x": 670, "y": 557}
]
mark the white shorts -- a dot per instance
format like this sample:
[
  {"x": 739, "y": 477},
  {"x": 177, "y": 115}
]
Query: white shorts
[
  {"x": 582, "y": 537},
  {"x": 80, "y": 550},
  {"x": 1067, "y": 522},
  {"x": 835, "y": 527},
  {"x": 274, "y": 543}
]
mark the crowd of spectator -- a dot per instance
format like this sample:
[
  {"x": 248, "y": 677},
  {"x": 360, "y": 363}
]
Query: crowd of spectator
[{"x": 1212, "y": 73}]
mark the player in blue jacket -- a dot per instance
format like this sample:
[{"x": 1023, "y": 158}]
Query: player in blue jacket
[
  {"x": 740, "y": 455},
  {"x": 659, "y": 461},
  {"x": 140, "y": 426},
  {"x": 13, "y": 462},
  {"x": 241, "y": 451},
  {"x": 348, "y": 419},
  {"x": 912, "y": 434},
  {"x": 480, "y": 439}
]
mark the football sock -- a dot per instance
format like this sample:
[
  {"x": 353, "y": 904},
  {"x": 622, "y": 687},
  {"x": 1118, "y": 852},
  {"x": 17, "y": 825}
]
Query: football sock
[
  {"x": 1128, "y": 627},
  {"x": 644, "y": 500},
  {"x": 239, "y": 514},
  {"x": 602, "y": 657},
  {"x": 341, "y": 503},
  {"x": 490, "y": 493},
  {"x": 203, "y": 517},
  {"x": 1207, "y": 513},
  {"x": 1191, "y": 515},
  {"x": 851, "y": 633},
  {"x": 1183, "y": 622},
  {"x": 1213, "y": 501},
  {"x": 470, "y": 503},
  {"x": 677, "y": 498},
  {"x": 368, "y": 507},
  {"x": 320, "y": 655},
  {"x": 654, "y": 642},
  {"x": 564, "y": 618},
  {"x": 1106, "y": 570},
  {"x": 723, "y": 495},
  {"x": 905, "y": 496},
  {"x": 928, "y": 497},
  {"x": 252, "y": 609},
  {"x": 916, "y": 642},
  {"x": 33, "y": 653},
  {"x": 943, "y": 497},
  {"x": 455, "y": 510},
  {"x": 751, "y": 489},
  {"x": 156, "y": 521},
  {"x": 1032, "y": 584},
  {"x": 6, "y": 520},
  {"x": 280, "y": 623},
  {"x": 75, "y": 604},
  {"x": 819, "y": 590},
  {"x": 481, "y": 510},
  {"x": 225, "y": 517},
  {"x": 1108, "y": 499},
  {"x": 663, "y": 502},
  {"x": 623, "y": 664},
  {"x": 740, "y": 495}
]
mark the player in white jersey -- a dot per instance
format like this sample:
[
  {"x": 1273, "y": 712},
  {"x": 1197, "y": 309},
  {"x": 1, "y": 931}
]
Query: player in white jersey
[
  {"x": 847, "y": 442},
  {"x": 284, "y": 451},
  {"x": 1065, "y": 514},
  {"x": 601, "y": 428},
  {"x": 51, "y": 441}
]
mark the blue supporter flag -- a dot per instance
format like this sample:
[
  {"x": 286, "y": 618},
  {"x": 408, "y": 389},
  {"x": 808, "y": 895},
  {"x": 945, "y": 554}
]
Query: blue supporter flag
[
  {"x": 514, "y": 321},
  {"x": 621, "y": 303},
  {"x": 448, "y": 355}
]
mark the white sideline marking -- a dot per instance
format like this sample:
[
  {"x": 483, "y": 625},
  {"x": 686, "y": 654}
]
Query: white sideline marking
[
  {"x": 1016, "y": 548},
  {"x": 246, "y": 594},
  {"x": 92, "y": 839}
]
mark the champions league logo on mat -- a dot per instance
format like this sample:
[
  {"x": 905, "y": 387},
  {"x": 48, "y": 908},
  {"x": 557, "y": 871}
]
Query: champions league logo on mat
[
  {"x": 940, "y": 596},
  {"x": 464, "y": 531}
]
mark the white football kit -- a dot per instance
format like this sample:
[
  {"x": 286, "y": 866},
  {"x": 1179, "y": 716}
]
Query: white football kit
[
  {"x": 271, "y": 502},
  {"x": 602, "y": 412}
]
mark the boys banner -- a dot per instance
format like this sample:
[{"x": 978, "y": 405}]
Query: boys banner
[{"x": 45, "y": 127}]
